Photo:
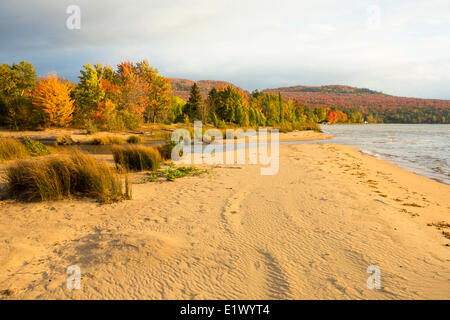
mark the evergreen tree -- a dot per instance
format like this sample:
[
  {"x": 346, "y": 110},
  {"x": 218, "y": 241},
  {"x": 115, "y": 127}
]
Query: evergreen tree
[
  {"x": 194, "y": 105},
  {"x": 280, "y": 106}
]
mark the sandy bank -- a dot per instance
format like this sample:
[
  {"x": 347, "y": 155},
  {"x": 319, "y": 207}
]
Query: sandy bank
[{"x": 309, "y": 232}]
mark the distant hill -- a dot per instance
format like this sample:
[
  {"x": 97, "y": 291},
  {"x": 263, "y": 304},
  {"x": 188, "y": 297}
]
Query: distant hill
[
  {"x": 336, "y": 89},
  {"x": 346, "y": 97},
  {"x": 182, "y": 87},
  {"x": 340, "y": 96}
]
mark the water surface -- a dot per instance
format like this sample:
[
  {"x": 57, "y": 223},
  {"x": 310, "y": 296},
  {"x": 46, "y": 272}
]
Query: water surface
[{"x": 421, "y": 148}]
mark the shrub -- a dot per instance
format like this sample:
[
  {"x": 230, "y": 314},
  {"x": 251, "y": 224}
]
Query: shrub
[
  {"x": 166, "y": 150},
  {"x": 63, "y": 176},
  {"x": 105, "y": 140},
  {"x": 12, "y": 149},
  {"x": 65, "y": 140},
  {"x": 288, "y": 127},
  {"x": 134, "y": 139},
  {"x": 136, "y": 158},
  {"x": 35, "y": 148},
  {"x": 91, "y": 127},
  {"x": 173, "y": 173}
]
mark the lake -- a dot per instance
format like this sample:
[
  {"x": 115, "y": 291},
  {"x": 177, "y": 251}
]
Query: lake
[{"x": 421, "y": 148}]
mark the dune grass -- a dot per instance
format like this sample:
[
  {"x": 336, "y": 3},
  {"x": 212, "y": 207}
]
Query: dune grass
[
  {"x": 64, "y": 176},
  {"x": 65, "y": 140},
  {"x": 107, "y": 140},
  {"x": 166, "y": 150},
  {"x": 136, "y": 158},
  {"x": 134, "y": 139},
  {"x": 11, "y": 149}
]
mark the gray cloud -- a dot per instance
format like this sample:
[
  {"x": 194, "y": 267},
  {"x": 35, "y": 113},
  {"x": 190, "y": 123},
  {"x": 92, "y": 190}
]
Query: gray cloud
[{"x": 254, "y": 44}]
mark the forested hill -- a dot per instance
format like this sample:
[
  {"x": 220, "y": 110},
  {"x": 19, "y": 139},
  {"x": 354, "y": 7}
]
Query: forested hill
[
  {"x": 342, "y": 97},
  {"x": 346, "y": 97},
  {"x": 359, "y": 104}
]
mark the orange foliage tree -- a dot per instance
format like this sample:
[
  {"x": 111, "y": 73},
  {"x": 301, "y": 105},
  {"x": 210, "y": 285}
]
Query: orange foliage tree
[
  {"x": 157, "y": 91},
  {"x": 52, "y": 98},
  {"x": 335, "y": 116}
]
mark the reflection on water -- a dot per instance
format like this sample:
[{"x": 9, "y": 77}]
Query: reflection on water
[{"x": 421, "y": 148}]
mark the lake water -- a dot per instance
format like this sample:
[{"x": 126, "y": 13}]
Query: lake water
[{"x": 421, "y": 148}]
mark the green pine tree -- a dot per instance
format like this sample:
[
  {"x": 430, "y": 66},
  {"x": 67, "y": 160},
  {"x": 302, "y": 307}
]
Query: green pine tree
[{"x": 194, "y": 105}]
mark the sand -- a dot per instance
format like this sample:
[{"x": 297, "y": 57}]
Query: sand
[{"x": 309, "y": 232}]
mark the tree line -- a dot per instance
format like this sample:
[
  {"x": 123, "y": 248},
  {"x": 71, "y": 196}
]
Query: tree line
[{"x": 133, "y": 94}]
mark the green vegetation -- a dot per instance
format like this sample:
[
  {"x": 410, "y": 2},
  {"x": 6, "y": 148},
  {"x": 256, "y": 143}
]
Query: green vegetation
[
  {"x": 35, "y": 148},
  {"x": 11, "y": 149},
  {"x": 166, "y": 150},
  {"x": 17, "y": 82},
  {"x": 172, "y": 173},
  {"x": 135, "y": 94},
  {"x": 287, "y": 127},
  {"x": 64, "y": 176},
  {"x": 136, "y": 158}
]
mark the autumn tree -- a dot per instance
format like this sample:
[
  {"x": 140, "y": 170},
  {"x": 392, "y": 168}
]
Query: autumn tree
[
  {"x": 157, "y": 90},
  {"x": 321, "y": 114},
  {"x": 175, "y": 112},
  {"x": 88, "y": 94},
  {"x": 132, "y": 96},
  {"x": 51, "y": 98},
  {"x": 16, "y": 84}
]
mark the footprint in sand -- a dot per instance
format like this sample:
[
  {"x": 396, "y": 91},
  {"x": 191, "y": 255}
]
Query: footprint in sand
[{"x": 231, "y": 213}]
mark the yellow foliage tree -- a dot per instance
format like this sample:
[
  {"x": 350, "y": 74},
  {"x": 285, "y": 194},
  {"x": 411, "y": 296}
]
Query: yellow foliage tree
[{"x": 52, "y": 98}]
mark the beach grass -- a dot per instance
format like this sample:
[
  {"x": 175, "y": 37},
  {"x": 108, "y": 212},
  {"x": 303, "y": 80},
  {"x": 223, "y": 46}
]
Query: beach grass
[
  {"x": 11, "y": 149},
  {"x": 134, "y": 139},
  {"x": 136, "y": 158},
  {"x": 166, "y": 150},
  {"x": 107, "y": 140},
  {"x": 63, "y": 176}
]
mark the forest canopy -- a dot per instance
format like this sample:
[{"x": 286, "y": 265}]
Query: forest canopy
[{"x": 132, "y": 94}]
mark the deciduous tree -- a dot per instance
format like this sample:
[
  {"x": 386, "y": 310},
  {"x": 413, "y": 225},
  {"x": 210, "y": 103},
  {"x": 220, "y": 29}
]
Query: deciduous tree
[{"x": 51, "y": 98}]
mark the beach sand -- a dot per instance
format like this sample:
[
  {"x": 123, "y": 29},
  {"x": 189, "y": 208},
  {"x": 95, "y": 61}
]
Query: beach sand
[{"x": 309, "y": 232}]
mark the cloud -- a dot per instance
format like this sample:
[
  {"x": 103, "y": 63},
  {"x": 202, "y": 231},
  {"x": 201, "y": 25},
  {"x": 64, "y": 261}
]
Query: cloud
[{"x": 254, "y": 44}]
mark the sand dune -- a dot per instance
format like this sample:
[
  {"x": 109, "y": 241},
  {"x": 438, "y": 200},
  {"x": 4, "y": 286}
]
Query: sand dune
[{"x": 309, "y": 232}]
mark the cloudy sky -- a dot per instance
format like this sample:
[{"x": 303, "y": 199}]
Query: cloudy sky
[{"x": 395, "y": 46}]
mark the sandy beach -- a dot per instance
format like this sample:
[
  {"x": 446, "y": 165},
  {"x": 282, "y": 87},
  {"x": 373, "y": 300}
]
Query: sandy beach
[{"x": 309, "y": 232}]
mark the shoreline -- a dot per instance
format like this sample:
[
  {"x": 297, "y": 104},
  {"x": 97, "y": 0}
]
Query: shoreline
[{"x": 309, "y": 232}]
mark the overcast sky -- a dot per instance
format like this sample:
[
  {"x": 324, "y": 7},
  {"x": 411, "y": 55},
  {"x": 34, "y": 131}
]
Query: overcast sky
[{"x": 395, "y": 46}]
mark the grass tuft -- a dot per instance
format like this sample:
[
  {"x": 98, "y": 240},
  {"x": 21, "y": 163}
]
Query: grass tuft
[
  {"x": 63, "y": 176},
  {"x": 136, "y": 158},
  {"x": 11, "y": 149},
  {"x": 166, "y": 150},
  {"x": 107, "y": 140},
  {"x": 134, "y": 140},
  {"x": 65, "y": 140}
]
